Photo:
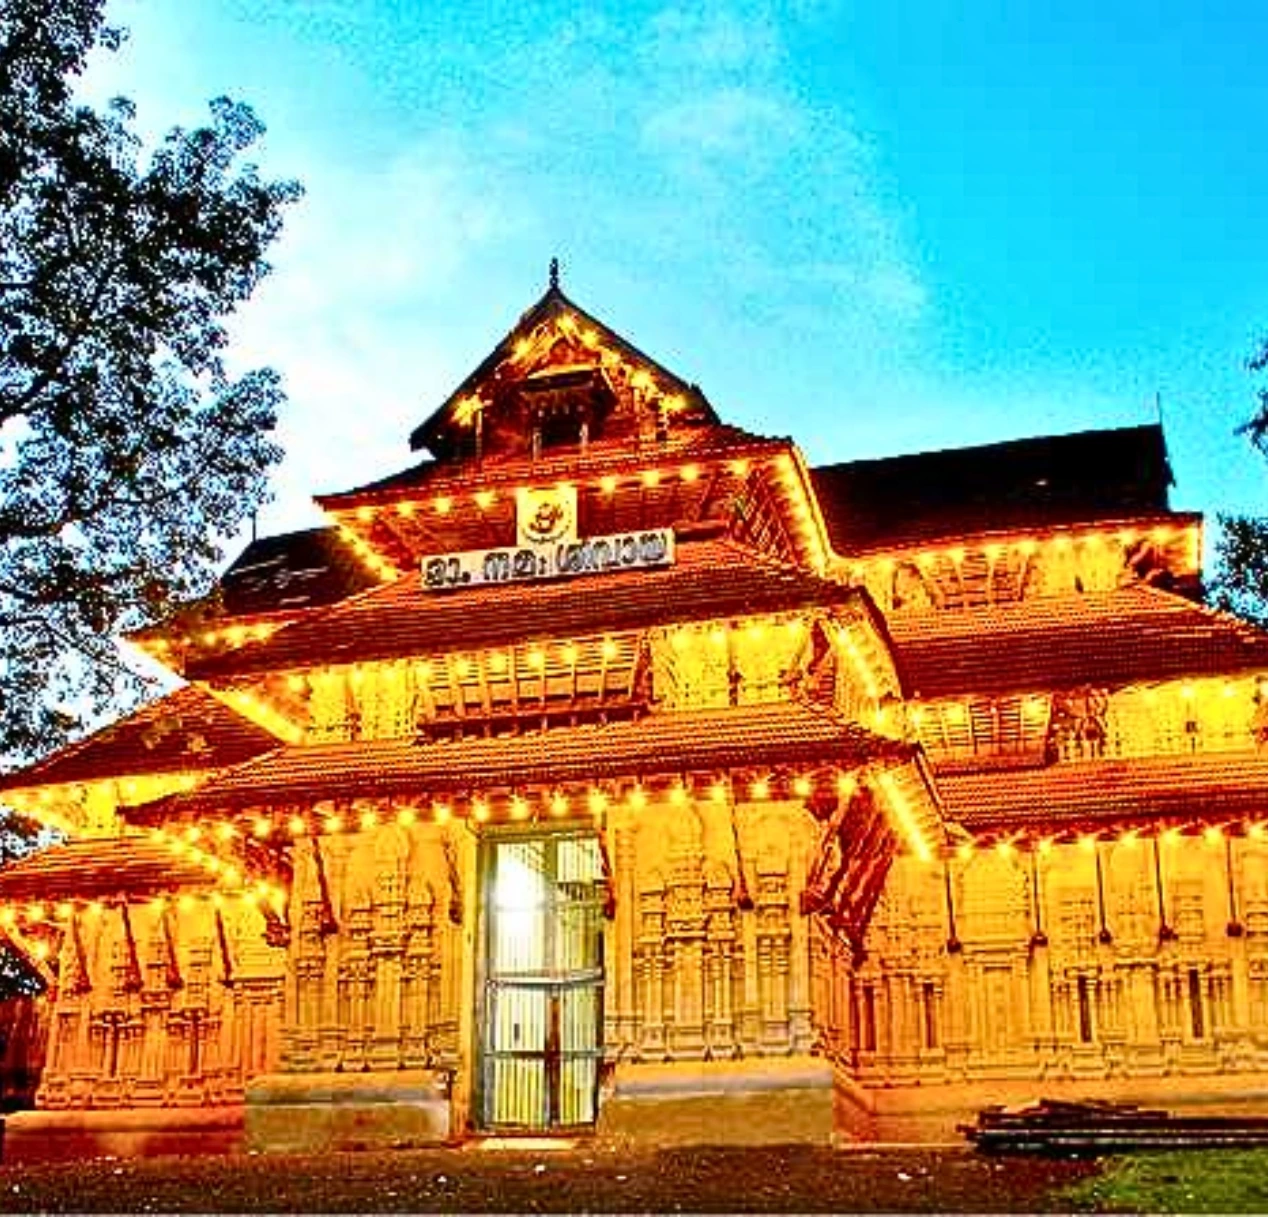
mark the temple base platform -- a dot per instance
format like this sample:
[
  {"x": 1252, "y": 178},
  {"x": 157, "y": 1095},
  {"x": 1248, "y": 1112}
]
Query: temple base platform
[
  {"x": 126, "y": 1132},
  {"x": 313, "y": 1112},
  {"x": 930, "y": 1114},
  {"x": 757, "y": 1102}
]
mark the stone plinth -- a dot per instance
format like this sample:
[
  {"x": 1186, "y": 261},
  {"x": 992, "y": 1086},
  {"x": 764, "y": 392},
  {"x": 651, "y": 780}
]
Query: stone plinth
[
  {"x": 126, "y": 1132},
  {"x": 311, "y": 1112},
  {"x": 758, "y": 1102}
]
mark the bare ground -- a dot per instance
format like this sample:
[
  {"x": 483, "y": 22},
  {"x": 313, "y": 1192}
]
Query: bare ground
[{"x": 587, "y": 1179}]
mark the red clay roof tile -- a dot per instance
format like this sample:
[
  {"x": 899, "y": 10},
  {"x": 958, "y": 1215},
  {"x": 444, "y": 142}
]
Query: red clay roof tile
[
  {"x": 90, "y": 869},
  {"x": 1207, "y": 786},
  {"x": 187, "y": 729},
  {"x": 1106, "y": 639},
  {"x": 710, "y": 580},
  {"x": 765, "y": 736}
]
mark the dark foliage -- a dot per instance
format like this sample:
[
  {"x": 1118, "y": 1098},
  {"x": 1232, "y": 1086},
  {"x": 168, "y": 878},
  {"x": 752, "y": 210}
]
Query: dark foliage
[
  {"x": 1241, "y": 575},
  {"x": 127, "y": 450}
]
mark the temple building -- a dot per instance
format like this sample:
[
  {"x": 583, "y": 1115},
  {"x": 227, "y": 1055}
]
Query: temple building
[{"x": 610, "y": 769}]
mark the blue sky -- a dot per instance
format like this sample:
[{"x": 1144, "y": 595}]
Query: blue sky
[{"x": 878, "y": 228}]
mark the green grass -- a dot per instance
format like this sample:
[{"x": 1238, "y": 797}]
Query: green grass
[{"x": 1182, "y": 1181}]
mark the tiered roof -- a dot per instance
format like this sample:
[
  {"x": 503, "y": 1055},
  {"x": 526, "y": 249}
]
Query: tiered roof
[
  {"x": 90, "y": 870},
  {"x": 1104, "y": 639},
  {"x": 709, "y": 580},
  {"x": 759, "y": 738},
  {"x": 186, "y": 730}
]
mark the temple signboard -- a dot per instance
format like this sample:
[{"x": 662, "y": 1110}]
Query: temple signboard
[{"x": 645, "y": 549}]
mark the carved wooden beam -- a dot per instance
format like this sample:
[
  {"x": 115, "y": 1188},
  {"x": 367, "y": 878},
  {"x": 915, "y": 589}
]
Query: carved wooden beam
[
  {"x": 739, "y": 890},
  {"x": 609, "y": 883},
  {"x": 83, "y": 979},
  {"x": 328, "y": 924},
  {"x": 455, "y": 880},
  {"x": 226, "y": 959},
  {"x": 172, "y": 970}
]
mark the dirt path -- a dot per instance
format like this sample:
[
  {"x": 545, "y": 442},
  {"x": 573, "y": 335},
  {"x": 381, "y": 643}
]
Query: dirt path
[{"x": 791, "y": 1179}]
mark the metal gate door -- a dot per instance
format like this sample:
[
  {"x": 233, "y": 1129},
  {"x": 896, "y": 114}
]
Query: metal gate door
[{"x": 542, "y": 1013}]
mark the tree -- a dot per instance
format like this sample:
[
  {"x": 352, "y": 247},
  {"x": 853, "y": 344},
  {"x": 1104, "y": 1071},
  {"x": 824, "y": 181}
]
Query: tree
[
  {"x": 128, "y": 452},
  {"x": 1241, "y": 576}
]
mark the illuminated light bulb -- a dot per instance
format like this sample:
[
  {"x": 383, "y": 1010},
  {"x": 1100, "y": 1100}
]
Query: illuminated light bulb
[
  {"x": 879, "y": 713},
  {"x": 597, "y": 801},
  {"x": 1028, "y": 546},
  {"x": 717, "y": 792},
  {"x": 1087, "y": 842},
  {"x": 755, "y": 631},
  {"x": 158, "y": 904},
  {"x": 497, "y": 662},
  {"x": 846, "y": 784},
  {"x": 262, "y": 827},
  {"x": 678, "y": 794},
  {"x": 956, "y": 555},
  {"x": 1061, "y": 542},
  {"x": 760, "y": 789},
  {"x": 405, "y": 817},
  {"x": 369, "y": 821},
  {"x": 1035, "y": 707},
  {"x": 8, "y": 918},
  {"x": 40, "y": 950},
  {"x": 690, "y": 473},
  {"x": 226, "y": 832},
  {"x": 1129, "y": 839},
  {"x": 1161, "y": 535},
  {"x": 522, "y": 347},
  {"x": 185, "y": 903},
  {"x": 231, "y": 877},
  {"x": 248, "y": 897},
  {"x": 334, "y": 823},
  {"x": 295, "y": 682},
  {"x": 424, "y": 671},
  {"x": 680, "y": 640},
  {"x": 609, "y": 649},
  {"x": 956, "y": 713},
  {"x": 365, "y": 514},
  {"x": 64, "y": 910},
  {"x": 484, "y": 499},
  {"x": 608, "y": 485},
  {"x": 441, "y": 813},
  {"x": 1093, "y": 540},
  {"x": 717, "y": 637},
  {"x": 1170, "y": 836},
  {"x": 651, "y": 477},
  {"x": 559, "y": 804},
  {"x": 589, "y": 337},
  {"x": 297, "y": 826},
  {"x": 638, "y": 797},
  {"x": 443, "y": 505},
  {"x": 214, "y": 865},
  {"x": 739, "y": 468},
  {"x": 801, "y": 787},
  {"x": 1004, "y": 849},
  {"x": 461, "y": 668},
  {"x": 1186, "y": 691},
  {"x": 917, "y": 714},
  {"x": 1213, "y": 835},
  {"x": 993, "y": 552},
  {"x": 567, "y": 322},
  {"x": 1256, "y": 831},
  {"x": 965, "y": 851},
  {"x": 94, "y": 908},
  {"x": 925, "y": 560},
  {"x": 405, "y": 509},
  {"x": 536, "y": 658},
  {"x": 210, "y": 637},
  {"x": 479, "y": 810},
  {"x": 1228, "y": 689},
  {"x": 519, "y": 808},
  {"x": 570, "y": 653}
]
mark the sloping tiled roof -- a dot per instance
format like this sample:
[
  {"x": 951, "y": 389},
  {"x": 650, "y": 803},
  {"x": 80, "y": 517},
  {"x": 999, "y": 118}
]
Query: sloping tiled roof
[
  {"x": 709, "y": 580},
  {"x": 91, "y": 869},
  {"x": 1048, "y": 481},
  {"x": 746, "y": 736},
  {"x": 1105, "y": 639},
  {"x": 187, "y": 729},
  {"x": 296, "y": 570},
  {"x": 601, "y": 457},
  {"x": 1210, "y": 786}
]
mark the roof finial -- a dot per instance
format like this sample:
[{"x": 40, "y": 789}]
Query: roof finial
[{"x": 554, "y": 274}]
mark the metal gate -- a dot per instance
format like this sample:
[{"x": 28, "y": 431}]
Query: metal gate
[{"x": 542, "y": 1007}]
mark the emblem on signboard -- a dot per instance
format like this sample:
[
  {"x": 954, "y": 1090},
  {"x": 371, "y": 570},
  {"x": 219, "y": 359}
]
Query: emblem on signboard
[{"x": 544, "y": 517}]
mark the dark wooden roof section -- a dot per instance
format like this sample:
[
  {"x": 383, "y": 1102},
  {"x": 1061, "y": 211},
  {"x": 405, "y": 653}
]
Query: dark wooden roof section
[
  {"x": 296, "y": 570},
  {"x": 1071, "y": 796},
  {"x": 99, "y": 868},
  {"x": 186, "y": 730},
  {"x": 1102, "y": 639},
  {"x": 710, "y": 580},
  {"x": 1049, "y": 481},
  {"x": 764, "y": 737}
]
